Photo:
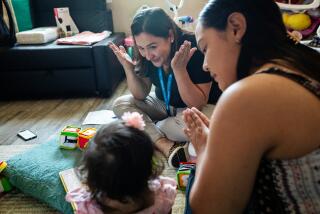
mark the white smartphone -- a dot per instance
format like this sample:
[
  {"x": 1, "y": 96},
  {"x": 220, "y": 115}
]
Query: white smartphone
[{"x": 26, "y": 135}]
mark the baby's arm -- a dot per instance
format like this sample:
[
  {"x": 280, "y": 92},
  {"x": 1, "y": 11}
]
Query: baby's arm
[{"x": 84, "y": 203}]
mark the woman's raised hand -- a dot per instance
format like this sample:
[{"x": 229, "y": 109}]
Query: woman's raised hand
[
  {"x": 122, "y": 56},
  {"x": 197, "y": 128},
  {"x": 182, "y": 57}
]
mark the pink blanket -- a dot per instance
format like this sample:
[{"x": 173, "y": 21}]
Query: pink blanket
[{"x": 84, "y": 38}]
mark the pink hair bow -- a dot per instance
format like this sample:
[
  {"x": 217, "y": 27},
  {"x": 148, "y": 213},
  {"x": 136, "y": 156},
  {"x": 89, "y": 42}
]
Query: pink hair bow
[{"x": 133, "y": 119}]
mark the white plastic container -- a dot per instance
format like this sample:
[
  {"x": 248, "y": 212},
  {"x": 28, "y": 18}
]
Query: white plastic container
[{"x": 39, "y": 35}]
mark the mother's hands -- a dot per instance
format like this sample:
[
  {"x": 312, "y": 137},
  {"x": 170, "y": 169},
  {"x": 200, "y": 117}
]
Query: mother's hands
[
  {"x": 122, "y": 56},
  {"x": 197, "y": 128},
  {"x": 182, "y": 57}
]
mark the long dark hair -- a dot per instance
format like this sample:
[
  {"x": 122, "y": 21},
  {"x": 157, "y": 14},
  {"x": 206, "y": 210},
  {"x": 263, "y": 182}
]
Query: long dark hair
[
  {"x": 118, "y": 165},
  {"x": 156, "y": 22},
  {"x": 266, "y": 37}
]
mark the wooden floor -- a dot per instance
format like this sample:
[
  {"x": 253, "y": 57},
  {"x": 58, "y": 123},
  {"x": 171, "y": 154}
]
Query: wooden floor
[{"x": 46, "y": 118}]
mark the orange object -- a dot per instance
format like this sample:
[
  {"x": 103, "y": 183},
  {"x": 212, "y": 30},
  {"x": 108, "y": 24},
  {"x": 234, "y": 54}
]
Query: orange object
[
  {"x": 3, "y": 165},
  {"x": 85, "y": 136}
]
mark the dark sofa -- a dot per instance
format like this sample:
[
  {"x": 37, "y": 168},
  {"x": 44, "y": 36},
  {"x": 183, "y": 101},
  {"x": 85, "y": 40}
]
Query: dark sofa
[{"x": 51, "y": 70}]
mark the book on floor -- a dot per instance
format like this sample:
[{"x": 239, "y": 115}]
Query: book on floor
[
  {"x": 99, "y": 117},
  {"x": 70, "y": 182}
]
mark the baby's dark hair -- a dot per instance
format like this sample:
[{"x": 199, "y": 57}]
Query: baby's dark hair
[{"x": 119, "y": 162}]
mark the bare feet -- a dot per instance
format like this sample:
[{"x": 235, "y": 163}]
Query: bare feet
[{"x": 197, "y": 128}]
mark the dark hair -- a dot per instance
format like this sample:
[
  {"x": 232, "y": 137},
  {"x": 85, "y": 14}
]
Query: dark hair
[
  {"x": 156, "y": 22},
  {"x": 266, "y": 37},
  {"x": 119, "y": 163}
]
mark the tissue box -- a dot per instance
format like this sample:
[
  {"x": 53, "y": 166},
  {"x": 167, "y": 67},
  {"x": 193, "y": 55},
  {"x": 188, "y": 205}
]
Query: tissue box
[{"x": 39, "y": 35}]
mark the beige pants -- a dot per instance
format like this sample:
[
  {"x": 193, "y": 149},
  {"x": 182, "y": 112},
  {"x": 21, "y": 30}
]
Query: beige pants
[{"x": 158, "y": 124}]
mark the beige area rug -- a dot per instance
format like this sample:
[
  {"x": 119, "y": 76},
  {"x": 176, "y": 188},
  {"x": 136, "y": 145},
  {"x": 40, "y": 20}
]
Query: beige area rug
[{"x": 16, "y": 202}]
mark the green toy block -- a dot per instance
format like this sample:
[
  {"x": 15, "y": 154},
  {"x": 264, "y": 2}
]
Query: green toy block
[
  {"x": 5, "y": 186},
  {"x": 182, "y": 178},
  {"x": 183, "y": 174},
  {"x": 69, "y": 137}
]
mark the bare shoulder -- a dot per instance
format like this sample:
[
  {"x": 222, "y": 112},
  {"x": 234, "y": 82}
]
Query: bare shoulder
[
  {"x": 253, "y": 94},
  {"x": 266, "y": 91},
  {"x": 275, "y": 109}
]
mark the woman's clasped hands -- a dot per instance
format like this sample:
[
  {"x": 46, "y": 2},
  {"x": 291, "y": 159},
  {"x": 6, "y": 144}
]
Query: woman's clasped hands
[{"x": 197, "y": 128}]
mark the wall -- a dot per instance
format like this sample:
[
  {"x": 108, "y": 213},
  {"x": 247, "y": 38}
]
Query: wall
[{"x": 124, "y": 10}]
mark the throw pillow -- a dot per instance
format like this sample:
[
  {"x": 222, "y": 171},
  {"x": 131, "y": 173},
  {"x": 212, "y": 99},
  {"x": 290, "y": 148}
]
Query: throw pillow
[
  {"x": 36, "y": 173},
  {"x": 22, "y": 13}
]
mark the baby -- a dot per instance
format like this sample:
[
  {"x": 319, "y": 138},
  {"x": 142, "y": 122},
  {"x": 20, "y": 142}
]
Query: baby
[{"x": 122, "y": 172}]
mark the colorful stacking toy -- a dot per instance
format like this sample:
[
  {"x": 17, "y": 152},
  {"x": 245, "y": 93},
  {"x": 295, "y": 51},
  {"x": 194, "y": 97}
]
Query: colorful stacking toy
[
  {"x": 69, "y": 137},
  {"x": 3, "y": 165},
  {"x": 85, "y": 136},
  {"x": 4, "y": 182},
  {"x": 72, "y": 137},
  {"x": 183, "y": 174}
]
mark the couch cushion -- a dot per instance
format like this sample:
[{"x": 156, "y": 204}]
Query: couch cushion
[
  {"x": 91, "y": 15},
  {"x": 47, "y": 70},
  {"x": 37, "y": 57},
  {"x": 48, "y": 83}
]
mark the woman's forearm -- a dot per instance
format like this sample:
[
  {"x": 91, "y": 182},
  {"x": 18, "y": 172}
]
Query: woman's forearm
[{"x": 191, "y": 94}]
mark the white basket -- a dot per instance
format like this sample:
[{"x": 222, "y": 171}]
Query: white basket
[{"x": 298, "y": 7}]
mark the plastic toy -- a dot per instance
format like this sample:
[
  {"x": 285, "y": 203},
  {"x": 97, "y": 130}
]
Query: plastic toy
[
  {"x": 301, "y": 15},
  {"x": 3, "y": 165},
  {"x": 64, "y": 22},
  {"x": 85, "y": 136},
  {"x": 295, "y": 36},
  {"x": 5, "y": 186},
  {"x": 186, "y": 22},
  {"x": 185, "y": 19},
  {"x": 175, "y": 8},
  {"x": 183, "y": 174},
  {"x": 298, "y": 21},
  {"x": 129, "y": 43},
  {"x": 69, "y": 137},
  {"x": 299, "y": 7}
]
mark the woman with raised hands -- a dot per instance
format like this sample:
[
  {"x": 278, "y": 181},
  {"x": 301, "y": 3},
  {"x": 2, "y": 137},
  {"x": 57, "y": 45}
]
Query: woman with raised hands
[{"x": 166, "y": 57}]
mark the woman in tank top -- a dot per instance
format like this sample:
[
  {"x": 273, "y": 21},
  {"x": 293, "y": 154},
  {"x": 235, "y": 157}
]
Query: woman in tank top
[{"x": 259, "y": 153}]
